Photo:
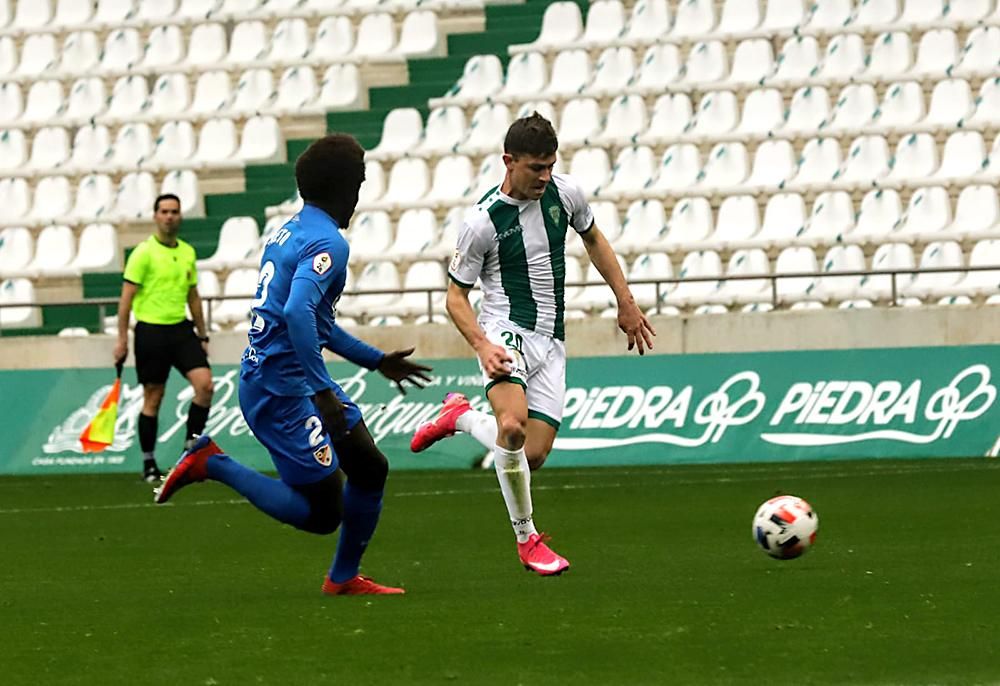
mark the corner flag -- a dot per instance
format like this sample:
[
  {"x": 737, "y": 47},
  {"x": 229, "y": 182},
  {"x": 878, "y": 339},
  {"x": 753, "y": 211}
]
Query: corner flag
[{"x": 100, "y": 433}]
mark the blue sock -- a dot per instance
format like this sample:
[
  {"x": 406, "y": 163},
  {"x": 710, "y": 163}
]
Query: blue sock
[
  {"x": 271, "y": 496},
  {"x": 361, "y": 511}
]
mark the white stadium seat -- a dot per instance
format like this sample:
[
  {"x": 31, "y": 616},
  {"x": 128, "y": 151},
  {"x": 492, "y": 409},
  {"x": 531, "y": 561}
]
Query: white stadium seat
[
  {"x": 98, "y": 250},
  {"x": 648, "y": 21}
]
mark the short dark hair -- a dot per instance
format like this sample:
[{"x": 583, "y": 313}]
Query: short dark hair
[
  {"x": 331, "y": 170},
  {"x": 531, "y": 135},
  {"x": 165, "y": 196}
]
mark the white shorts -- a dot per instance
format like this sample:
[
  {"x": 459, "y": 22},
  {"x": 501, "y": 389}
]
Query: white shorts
[{"x": 539, "y": 366}]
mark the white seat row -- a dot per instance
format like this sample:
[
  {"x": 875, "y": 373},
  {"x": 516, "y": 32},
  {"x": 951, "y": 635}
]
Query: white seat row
[
  {"x": 57, "y": 252},
  {"x": 752, "y": 63},
  {"x": 126, "y": 51},
  {"x": 19, "y": 290},
  {"x": 719, "y": 115},
  {"x": 219, "y": 142},
  {"x": 19, "y": 16},
  {"x": 680, "y": 170},
  {"x": 652, "y": 21},
  {"x": 55, "y": 199},
  {"x": 215, "y": 94}
]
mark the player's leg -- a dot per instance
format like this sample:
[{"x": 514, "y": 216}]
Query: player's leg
[
  {"x": 190, "y": 360},
  {"x": 366, "y": 468},
  {"x": 510, "y": 406},
  {"x": 152, "y": 366}
]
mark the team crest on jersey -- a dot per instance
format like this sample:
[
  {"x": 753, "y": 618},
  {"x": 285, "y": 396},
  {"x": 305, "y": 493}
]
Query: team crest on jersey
[
  {"x": 555, "y": 212},
  {"x": 324, "y": 456},
  {"x": 322, "y": 263}
]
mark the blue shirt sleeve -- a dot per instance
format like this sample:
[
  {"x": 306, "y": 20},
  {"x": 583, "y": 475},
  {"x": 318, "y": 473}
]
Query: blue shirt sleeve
[
  {"x": 353, "y": 349},
  {"x": 320, "y": 265}
]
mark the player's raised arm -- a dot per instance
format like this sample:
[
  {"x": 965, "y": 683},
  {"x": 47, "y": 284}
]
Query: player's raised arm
[{"x": 631, "y": 319}]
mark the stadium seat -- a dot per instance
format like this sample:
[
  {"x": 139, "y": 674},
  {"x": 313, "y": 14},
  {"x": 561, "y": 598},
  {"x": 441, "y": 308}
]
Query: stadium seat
[
  {"x": 487, "y": 129},
  {"x": 376, "y": 35},
  {"x": 697, "y": 264},
  {"x": 290, "y": 41},
  {"x": 482, "y": 77},
  {"x": 782, "y": 15},
  {"x": 648, "y": 21},
  {"x": 217, "y": 142},
  {"x": 184, "y": 184},
  {"x": 680, "y": 167},
  {"x": 416, "y": 236},
  {"x": 80, "y": 53},
  {"x": 844, "y": 58},
  {"x": 207, "y": 46},
  {"x": 738, "y": 17},
  {"x": 773, "y": 165},
  {"x": 134, "y": 197},
  {"x": 94, "y": 198},
  {"x": 902, "y": 106},
  {"x": 44, "y": 102},
  {"x": 690, "y": 222},
  {"x": 643, "y": 228},
  {"x": 660, "y": 66},
  {"x": 736, "y": 224},
  {"x": 8, "y": 54},
  {"x": 254, "y": 91},
  {"x": 17, "y": 246},
  {"x": 887, "y": 257},
  {"x": 15, "y": 200},
  {"x": 49, "y": 150},
  {"x": 239, "y": 239},
  {"x": 122, "y": 51},
  {"x": 706, "y": 61},
  {"x": 670, "y": 116},
  {"x": 562, "y": 24},
  {"x": 371, "y": 235},
  {"x": 937, "y": 255},
  {"x": 239, "y": 282},
  {"x": 936, "y": 53},
  {"x": 891, "y": 55},
  {"x": 854, "y": 108},
  {"x": 605, "y": 23},
  {"x": 54, "y": 252},
  {"x": 792, "y": 260},
  {"x": 580, "y": 120},
  {"x": 261, "y": 141},
  {"x": 693, "y": 18},
  {"x": 91, "y": 148},
  {"x": 155, "y": 11},
  {"x": 373, "y": 187},
  {"x": 784, "y": 221},
  {"x": 613, "y": 72},
  {"x": 977, "y": 214},
  {"x": 625, "y": 120},
  {"x": 927, "y": 214},
  {"x": 831, "y": 219},
  {"x": 745, "y": 262},
  {"x": 133, "y": 145},
  {"x": 13, "y": 150},
  {"x": 873, "y": 13},
  {"x": 797, "y": 61},
  {"x": 98, "y": 250},
  {"x": 445, "y": 129},
  {"x": 648, "y": 266},
  {"x": 297, "y": 89},
  {"x": 174, "y": 146},
  {"x": 633, "y": 171},
  {"x": 591, "y": 168},
  {"x": 951, "y": 103},
  {"x": 963, "y": 157},
  {"x": 212, "y": 93},
  {"x": 419, "y": 35},
  {"x": 809, "y": 109},
  {"x": 72, "y": 13},
  {"x": 165, "y": 47},
  {"x": 53, "y": 199},
  {"x": 377, "y": 275},
  {"x": 726, "y": 167},
  {"x": 18, "y": 291},
  {"x": 915, "y": 158},
  {"x": 87, "y": 100},
  {"x": 526, "y": 76},
  {"x": 717, "y": 114},
  {"x": 334, "y": 40},
  {"x": 595, "y": 297},
  {"x": 570, "y": 74},
  {"x": 453, "y": 179},
  {"x": 985, "y": 253},
  {"x": 763, "y": 112},
  {"x": 128, "y": 97},
  {"x": 879, "y": 214},
  {"x": 829, "y": 15},
  {"x": 340, "y": 87},
  {"x": 248, "y": 43},
  {"x": 867, "y": 161},
  {"x": 841, "y": 258},
  {"x": 753, "y": 61},
  {"x": 402, "y": 130},
  {"x": 979, "y": 56},
  {"x": 422, "y": 274},
  {"x": 38, "y": 55}
]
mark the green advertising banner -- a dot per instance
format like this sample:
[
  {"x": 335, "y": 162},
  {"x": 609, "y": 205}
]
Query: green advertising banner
[{"x": 658, "y": 409}]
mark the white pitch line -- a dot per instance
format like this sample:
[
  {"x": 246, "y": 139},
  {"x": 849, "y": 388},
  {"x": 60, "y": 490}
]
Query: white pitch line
[{"x": 769, "y": 474}]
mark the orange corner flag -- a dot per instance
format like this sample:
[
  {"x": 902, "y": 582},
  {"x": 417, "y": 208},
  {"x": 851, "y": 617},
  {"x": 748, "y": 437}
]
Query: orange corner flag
[{"x": 100, "y": 433}]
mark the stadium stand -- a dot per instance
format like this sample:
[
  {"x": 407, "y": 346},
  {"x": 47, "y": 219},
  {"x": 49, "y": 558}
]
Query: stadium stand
[{"x": 717, "y": 139}]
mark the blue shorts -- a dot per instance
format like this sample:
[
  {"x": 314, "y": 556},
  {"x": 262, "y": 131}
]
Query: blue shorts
[{"x": 292, "y": 431}]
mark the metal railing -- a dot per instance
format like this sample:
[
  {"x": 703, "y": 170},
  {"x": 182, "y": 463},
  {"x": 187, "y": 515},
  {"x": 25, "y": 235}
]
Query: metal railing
[{"x": 662, "y": 289}]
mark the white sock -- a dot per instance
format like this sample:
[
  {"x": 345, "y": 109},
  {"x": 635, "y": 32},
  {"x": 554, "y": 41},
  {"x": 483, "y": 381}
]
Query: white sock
[
  {"x": 515, "y": 484},
  {"x": 479, "y": 425}
]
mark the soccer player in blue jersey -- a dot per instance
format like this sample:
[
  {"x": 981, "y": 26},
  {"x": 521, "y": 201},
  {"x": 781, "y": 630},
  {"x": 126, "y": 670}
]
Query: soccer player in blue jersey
[{"x": 313, "y": 431}]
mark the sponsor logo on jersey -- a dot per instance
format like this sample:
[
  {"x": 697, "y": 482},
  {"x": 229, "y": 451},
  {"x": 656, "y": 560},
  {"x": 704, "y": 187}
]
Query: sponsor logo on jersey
[
  {"x": 507, "y": 233},
  {"x": 322, "y": 263},
  {"x": 324, "y": 456}
]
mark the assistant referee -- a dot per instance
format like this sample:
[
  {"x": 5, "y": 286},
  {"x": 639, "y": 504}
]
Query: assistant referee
[{"x": 160, "y": 279}]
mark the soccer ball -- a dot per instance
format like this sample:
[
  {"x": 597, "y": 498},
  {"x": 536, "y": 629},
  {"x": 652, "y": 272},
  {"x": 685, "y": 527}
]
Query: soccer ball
[{"x": 785, "y": 527}]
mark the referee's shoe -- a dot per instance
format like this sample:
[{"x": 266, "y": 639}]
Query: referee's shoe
[{"x": 151, "y": 474}]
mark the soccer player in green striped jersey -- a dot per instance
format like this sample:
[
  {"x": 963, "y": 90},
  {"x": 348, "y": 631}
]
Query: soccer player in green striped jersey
[{"x": 513, "y": 242}]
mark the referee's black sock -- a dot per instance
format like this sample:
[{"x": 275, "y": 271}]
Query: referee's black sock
[
  {"x": 147, "y": 436},
  {"x": 197, "y": 418}
]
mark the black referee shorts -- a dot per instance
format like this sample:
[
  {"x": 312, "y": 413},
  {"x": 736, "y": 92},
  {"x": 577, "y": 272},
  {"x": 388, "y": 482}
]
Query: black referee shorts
[{"x": 158, "y": 347}]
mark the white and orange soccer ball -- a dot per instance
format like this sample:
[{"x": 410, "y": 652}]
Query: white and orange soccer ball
[{"x": 785, "y": 527}]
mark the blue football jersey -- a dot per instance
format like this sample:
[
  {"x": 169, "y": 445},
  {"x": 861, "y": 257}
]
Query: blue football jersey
[{"x": 302, "y": 274}]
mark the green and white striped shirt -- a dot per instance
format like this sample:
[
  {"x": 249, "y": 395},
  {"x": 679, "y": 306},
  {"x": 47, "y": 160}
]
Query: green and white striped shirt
[{"x": 517, "y": 249}]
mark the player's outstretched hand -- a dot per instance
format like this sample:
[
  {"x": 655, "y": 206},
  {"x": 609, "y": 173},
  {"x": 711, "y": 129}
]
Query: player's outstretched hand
[
  {"x": 331, "y": 411},
  {"x": 397, "y": 368},
  {"x": 636, "y": 326},
  {"x": 495, "y": 359}
]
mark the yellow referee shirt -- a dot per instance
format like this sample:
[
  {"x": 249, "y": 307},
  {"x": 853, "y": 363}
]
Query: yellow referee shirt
[{"x": 164, "y": 276}]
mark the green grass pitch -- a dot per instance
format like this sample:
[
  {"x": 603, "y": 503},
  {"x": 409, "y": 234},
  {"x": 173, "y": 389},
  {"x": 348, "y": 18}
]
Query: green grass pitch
[{"x": 98, "y": 586}]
